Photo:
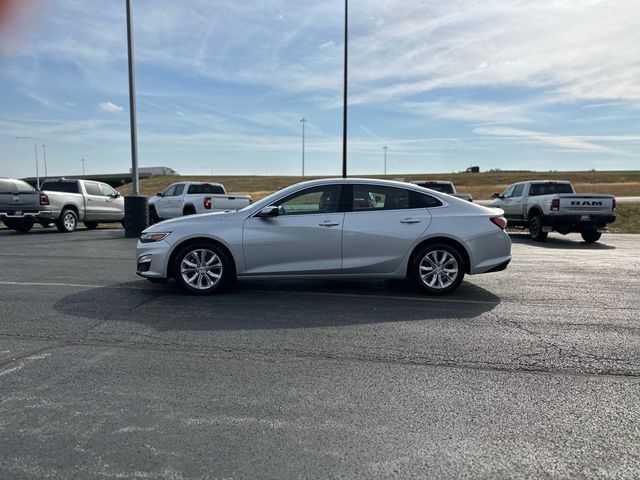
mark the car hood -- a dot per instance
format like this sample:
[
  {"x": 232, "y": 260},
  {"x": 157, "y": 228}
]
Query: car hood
[{"x": 193, "y": 220}]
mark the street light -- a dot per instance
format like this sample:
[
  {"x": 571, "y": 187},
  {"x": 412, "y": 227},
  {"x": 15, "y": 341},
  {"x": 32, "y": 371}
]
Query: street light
[
  {"x": 82, "y": 160},
  {"x": 385, "y": 148},
  {"x": 303, "y": 121},
  {"x": 35, "y": 149},
  {"x": 344, "y": 101},
  {"x": 44, "y": 155}
]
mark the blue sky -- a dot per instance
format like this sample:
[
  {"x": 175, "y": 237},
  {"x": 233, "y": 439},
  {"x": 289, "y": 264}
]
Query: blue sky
[{"x": 222, "y": 85}]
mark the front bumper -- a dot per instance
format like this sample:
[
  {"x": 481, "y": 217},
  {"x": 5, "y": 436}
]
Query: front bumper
[{"x": 152, "y": 259}]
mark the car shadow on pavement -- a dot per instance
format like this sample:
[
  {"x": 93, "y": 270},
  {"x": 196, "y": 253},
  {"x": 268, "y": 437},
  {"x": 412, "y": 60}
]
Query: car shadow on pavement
[
  {"x": 274, "y": 305},
  {"x": 554, "y": 241}
]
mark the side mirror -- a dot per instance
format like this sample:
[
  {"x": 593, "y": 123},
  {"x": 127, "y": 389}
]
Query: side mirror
[
  {"x": 495, "y": 195},
  {"x": 160, "y": 194},
  {"x": 271, "y": 211},
  {"x": 117, "y": 195}
]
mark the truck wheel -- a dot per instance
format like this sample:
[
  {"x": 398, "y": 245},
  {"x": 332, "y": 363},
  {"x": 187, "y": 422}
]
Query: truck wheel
[
  {"x": 153, "y": 215},
  {"x": 67, "y": 222},
  {"x": 22, "y": 226},
  {"x": 90, "y": 225},
  {"x": 189, "y": 211},
  {"x": 535, "y": 229},
  {"x": 591, "y": 236},
  {"x": 438, "y": 269},
  {"x": 202, "y": 268}
]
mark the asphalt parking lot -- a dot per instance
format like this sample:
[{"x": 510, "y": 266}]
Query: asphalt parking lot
[{"x": 531, "y": 372}]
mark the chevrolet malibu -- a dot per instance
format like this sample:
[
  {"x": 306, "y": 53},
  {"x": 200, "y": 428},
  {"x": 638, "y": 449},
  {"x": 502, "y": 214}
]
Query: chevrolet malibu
[{"x": 333, "y": 228}]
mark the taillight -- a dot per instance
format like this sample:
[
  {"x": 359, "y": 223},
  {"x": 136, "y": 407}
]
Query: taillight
[
  {"x": 614, "y": 204},
  {"x": 207, "y": 203},
  {"x": 44, "y": 200},
  {"x": 499, "y": 221},
  {"x": 555, "y": 204}
]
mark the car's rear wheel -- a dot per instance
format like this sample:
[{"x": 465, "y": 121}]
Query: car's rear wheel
[
  {"x": 68, "y": 221},
  {"x": 91, "y": 225},
  {"x": 202, "y": 268},
  {"x": 535, "y": 229},
  {"x": 22, "y": 226},
  {"x": 591, "y": 236},
  {"x": 438, "y": 269}
]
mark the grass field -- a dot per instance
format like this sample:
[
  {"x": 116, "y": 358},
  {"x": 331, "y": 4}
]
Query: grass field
[{"x": 480, "y": 185}]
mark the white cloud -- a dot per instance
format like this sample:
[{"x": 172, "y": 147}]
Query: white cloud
[
  {"x": 110, "y": 107},
  {"x": 570, "y": 142}
]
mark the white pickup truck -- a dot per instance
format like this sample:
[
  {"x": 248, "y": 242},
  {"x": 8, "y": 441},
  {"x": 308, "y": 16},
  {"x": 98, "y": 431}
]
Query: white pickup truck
[
  {"x": 189, "y": 198},
  {"x": 543, "y": 206}
]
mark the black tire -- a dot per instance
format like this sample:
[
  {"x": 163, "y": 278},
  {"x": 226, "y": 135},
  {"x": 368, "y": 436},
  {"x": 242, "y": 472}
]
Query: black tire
[
  {"x": 207, "y": 283},
  {"x": 591, "y": 236},
  {"x": 535, "y": 229},
  {"x": 189, "y": 211},
  {"x": 67, "y": 222},
  {"x": 153, "y": 215},
  {"x": 91, "y": 225},
  {"x": 22, "y": 226},
  {"x": 434, "y": 258}
]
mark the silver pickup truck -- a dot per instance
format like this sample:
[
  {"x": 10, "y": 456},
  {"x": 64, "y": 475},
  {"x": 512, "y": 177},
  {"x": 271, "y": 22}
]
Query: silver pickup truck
[
  {"x": 543, "y": 206},
  {"x": 443, "y": 187},
  {"x": 62, "y": 203}
]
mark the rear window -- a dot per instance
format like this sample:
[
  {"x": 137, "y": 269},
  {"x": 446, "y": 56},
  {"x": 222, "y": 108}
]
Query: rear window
[
  {"x": 549, "y": 188},
  {"x": 206, "y": 188},
  {"x": 23, "y": 186},
  {"x": 438, "y": 187},
  {"x": 420, "y": 200},
  {"x": 60, "y": 186},
  {"x": 6, "y": 185}
]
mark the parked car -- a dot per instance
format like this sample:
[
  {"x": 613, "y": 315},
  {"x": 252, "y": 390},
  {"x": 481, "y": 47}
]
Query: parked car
[
  {"x": 334, "y": 228},
  {"x": 189, "y": 198},
  {"x": 543, "y": 206},
  {"x": 61, "y": 202},
  {"x": 444, "y": 187}
]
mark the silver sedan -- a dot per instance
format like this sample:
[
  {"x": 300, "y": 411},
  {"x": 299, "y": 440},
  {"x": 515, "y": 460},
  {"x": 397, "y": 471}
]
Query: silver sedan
[{"x": 334, "y": 228}]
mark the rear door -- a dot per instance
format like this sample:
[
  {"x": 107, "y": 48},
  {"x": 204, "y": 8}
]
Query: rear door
[
  {"x": 383, "y": 224},
  {"x": 306, "y": 237},
  {"x": 95, "y": 202}
]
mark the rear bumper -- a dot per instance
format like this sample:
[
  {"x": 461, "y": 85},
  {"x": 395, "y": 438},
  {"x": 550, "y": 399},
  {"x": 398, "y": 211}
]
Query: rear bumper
[
  {"x": 26, "y": 215},
  {"x": 577, "y": 223}
]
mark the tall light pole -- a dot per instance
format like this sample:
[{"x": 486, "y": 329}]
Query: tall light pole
[
  {"x": 44, "y": 155},
  {"x": 35, "y": 149},
  {"x": 303, "y": 121},
  {"x": 344, "y": 102},
  {"x": 82, "y": 160},
  {"x": 136, "y": 212},
  {"x": 385, "y": 148}
]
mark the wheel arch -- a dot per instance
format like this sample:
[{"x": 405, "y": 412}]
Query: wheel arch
[
  {"x": 457, "y": 245},
  {"x": 535, "y": 210},
  {"x": 189, "y": 207},
  {"x": 179, "y": 246}
]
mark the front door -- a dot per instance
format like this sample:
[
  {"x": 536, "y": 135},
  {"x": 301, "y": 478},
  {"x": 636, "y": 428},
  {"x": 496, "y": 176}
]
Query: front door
[{"x": 305, "y": 238}]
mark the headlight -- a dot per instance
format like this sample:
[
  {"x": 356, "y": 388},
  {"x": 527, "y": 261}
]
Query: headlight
[{"x": 153, "y": 236}]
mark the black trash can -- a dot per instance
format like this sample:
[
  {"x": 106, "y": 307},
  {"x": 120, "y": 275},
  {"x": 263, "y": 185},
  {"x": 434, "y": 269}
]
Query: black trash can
[{"x": 136, "y": 216}]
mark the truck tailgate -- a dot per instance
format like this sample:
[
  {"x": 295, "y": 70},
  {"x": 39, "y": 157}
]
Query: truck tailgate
[
  {"x": 229, "y": 202},
  {"x": 586, "y": 204},
  {"x": 19, "y": 203}
]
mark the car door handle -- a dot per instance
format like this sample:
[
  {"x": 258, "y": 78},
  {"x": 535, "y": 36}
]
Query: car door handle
[
  {"x": 410, "y": 220},
  {"x": 89, "y": 199},
  {"x": 329, "y": 223}
]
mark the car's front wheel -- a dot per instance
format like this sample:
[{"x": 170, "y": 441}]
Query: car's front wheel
[
  {"x": 202, "y": 268},
  {"x": 438, "y": 269}
]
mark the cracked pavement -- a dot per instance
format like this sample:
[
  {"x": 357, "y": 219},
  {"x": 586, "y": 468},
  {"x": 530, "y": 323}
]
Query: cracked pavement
[{"x": 531, "y": 372}]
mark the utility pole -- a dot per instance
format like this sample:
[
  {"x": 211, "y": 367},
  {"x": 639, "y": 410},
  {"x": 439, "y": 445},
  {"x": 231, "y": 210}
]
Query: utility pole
[
  {"x": 44, "y": 155},
  {"x": 303, "y": 121},
  {"x": 385, "y": 148},
  {"x": 82, "y": 160},
  {"x": 344, "y": 103},
  {"x": 35, "y": 149}
]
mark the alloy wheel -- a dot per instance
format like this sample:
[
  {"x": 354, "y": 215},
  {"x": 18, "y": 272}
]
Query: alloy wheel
[
  {"x": 201, "y": 269},
  {"x": 438, "y": 269}
]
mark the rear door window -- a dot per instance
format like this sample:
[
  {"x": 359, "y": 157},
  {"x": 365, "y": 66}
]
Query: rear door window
[
  {"x": 420, "y": 200},
  {"x": 377, "y": 197}
]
